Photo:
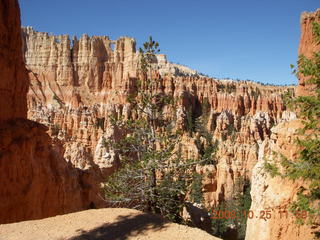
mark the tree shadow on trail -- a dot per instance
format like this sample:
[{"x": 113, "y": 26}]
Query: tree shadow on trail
[{"x": 124, "y": 227}]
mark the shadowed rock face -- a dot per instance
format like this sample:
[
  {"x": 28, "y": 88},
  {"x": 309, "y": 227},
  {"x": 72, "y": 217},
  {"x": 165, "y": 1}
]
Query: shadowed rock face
[
  {"x": 76, "y": 86},
  {"x": 35, "y": 180},
  {"x": 276, "y": 194},
  {"x": 13, "y": 75}
]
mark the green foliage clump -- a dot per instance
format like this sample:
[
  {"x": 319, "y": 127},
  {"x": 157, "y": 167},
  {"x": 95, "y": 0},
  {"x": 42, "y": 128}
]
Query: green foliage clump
[
  {"x": 190, "y": 122},
  {"x": 205, "y": 109},
  {"x": 316, "y": 31},
  {"x": 230, "y": 129},
  {"x": 229, "y": 88},
  {"x": 229, "y": 132},
  {"x": 196, "y": 195},
  {"x": 240, "y": 203},
  {"x": 59, "y": 101},
  {"x": 272, "y": 169},
  {"x": 205, "y": 143},
  {"x": 287, "y": 97},
  {"x": 255, "y": 93},
  {"x": 100, "y": 123},
  {"x": 220, "y": 226}
]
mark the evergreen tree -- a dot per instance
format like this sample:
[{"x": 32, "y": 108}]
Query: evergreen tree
[{"x": 153, "y": 175}]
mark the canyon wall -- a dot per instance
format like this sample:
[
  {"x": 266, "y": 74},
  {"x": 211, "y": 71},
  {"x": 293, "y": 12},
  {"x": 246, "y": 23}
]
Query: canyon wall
[
  {"x": 13, "y": 75},
  {"x": 276, "y": 194},
  {"x": 76, "y": 85},
  {"x": 35, "y": 180}
]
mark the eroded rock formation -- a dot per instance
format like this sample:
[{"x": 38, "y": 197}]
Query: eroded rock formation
[
  {"x": 76, "y": 86},
  {"x": 35, "y": 180},
  {"x": 276, "y": 194},
  {"x": 13, "y": 75}
]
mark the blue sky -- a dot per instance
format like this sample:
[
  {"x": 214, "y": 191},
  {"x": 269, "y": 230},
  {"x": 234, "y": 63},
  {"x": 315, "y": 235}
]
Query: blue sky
[{"x": 240, "y": 39}]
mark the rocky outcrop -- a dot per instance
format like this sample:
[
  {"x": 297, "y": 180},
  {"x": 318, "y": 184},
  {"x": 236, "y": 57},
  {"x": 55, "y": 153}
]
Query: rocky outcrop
[
  {"x": 276, "y": 194},
  {"x": 35, "y": 180},
  {"x": 76, "y": 85},
  {"x": 13, "y": 75},
  {"x": 308, "y": 46}
]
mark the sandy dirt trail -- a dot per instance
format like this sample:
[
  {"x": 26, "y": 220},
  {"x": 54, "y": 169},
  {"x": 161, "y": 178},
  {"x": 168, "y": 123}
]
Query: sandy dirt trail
[{"x": 101, "y": 224}]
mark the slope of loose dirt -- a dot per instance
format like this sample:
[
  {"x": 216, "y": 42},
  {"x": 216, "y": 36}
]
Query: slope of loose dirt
[{"x": 104, "y": 224}]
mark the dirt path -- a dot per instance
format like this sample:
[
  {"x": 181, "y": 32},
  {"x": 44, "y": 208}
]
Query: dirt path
[{"x": 101, "y": 224}]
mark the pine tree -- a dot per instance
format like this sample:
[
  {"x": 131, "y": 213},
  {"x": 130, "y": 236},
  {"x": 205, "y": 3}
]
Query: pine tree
[{"x": 153, "y": 175}]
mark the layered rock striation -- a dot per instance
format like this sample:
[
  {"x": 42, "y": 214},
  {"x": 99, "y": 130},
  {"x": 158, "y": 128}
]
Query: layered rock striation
[{"x": 76, "y": 85}]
